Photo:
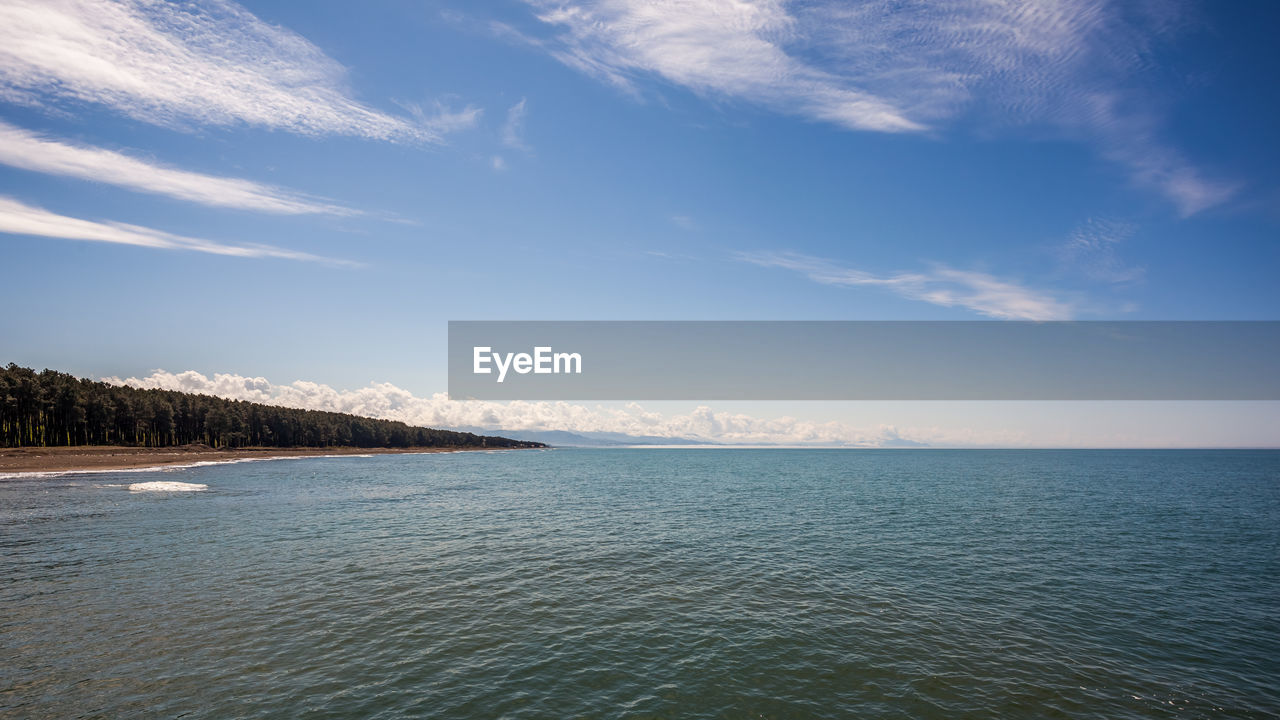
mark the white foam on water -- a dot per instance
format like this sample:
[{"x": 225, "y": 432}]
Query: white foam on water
[
  {"x": 167, "y": 486},
  {"x": 176, "y": 466}
]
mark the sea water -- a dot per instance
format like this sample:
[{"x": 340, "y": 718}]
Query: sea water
[{"x": 646, "y": 583}]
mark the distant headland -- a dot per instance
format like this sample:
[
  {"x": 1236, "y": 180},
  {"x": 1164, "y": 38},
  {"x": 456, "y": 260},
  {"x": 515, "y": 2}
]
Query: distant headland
[{"x": 52, "y": 421}]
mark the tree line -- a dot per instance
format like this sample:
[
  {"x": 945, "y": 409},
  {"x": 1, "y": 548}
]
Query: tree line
[{"x": 48, "y": 408}]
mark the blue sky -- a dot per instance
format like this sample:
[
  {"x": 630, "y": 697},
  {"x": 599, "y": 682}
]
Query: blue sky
[{"x": 310, "y": 191}]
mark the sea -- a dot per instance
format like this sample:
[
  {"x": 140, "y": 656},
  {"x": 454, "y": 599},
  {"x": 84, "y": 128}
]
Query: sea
[{"x": 649, "y": 583}]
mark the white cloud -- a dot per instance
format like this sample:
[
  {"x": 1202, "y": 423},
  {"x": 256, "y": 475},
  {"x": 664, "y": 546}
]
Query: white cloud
[
  {"x": 386, "y": 401},
  {"x": 942, "y": 285},
  {"x": 18, "y": 218},
  {"x": 209, "y": 63},
  {"x": 27, "y": 150},
  {"x": 513, "y": 128},
  {"x": 1107, "y": 424},
  {"x": 1092, "y": 249},
  {"x": 498, "y": 163},
  {"x": 723, "y": 47},
  {"x": 1128, "y": 138},
  {"x": 442, "y": 119},
  {"x": 901, "y": 66}
]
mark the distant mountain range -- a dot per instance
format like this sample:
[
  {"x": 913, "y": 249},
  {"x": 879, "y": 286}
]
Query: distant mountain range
[{"x": 564, "y": 438}]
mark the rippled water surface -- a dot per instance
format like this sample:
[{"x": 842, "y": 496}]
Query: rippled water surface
[{"x": 651, "y": 583}]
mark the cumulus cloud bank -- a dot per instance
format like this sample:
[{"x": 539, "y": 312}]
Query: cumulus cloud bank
[{"x": 386, "y": 401}]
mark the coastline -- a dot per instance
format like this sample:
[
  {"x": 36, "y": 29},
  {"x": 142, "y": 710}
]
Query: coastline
[{"x": 35, "y": 461}]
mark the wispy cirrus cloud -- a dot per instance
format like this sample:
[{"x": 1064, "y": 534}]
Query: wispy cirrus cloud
[
  {"x": 723, "y": 47},
  {"x": 513, "y": 128},
  {"x": 512, "y": 135},
  {"x": 941, "y": 285},
  {"x": 441, "y": 118},
  {"x": 895, "y": 66},
  {"x": 209, "y": 63},
  {"x": 1091, "y": 248},
  {"x": 18, "y": 218},
  {"x": 27, "y": 150},
  {"x": 1129, "y": 138}
]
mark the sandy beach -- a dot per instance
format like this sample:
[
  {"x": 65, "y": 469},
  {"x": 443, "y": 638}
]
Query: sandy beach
[{"x": 88, "y": 458}]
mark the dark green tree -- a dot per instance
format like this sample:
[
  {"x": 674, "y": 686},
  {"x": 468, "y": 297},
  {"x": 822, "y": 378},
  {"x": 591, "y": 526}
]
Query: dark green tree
[{"x": 53, "y": 408}]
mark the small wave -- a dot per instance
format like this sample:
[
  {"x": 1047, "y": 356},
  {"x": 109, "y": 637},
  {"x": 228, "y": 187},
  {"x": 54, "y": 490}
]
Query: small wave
[
  {"x": 167, "y": 486},
  {"x": 33, "y": 474}
]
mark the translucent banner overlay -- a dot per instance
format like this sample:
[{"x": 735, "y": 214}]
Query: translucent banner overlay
[{"x": 819, "y": 360}]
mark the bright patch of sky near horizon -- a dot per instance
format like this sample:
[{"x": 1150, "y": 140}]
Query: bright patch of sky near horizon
[{"x": 310, "y": 192}]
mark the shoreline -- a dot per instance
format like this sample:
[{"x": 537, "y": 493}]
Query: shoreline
[{"x": 40, "y": 461}]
